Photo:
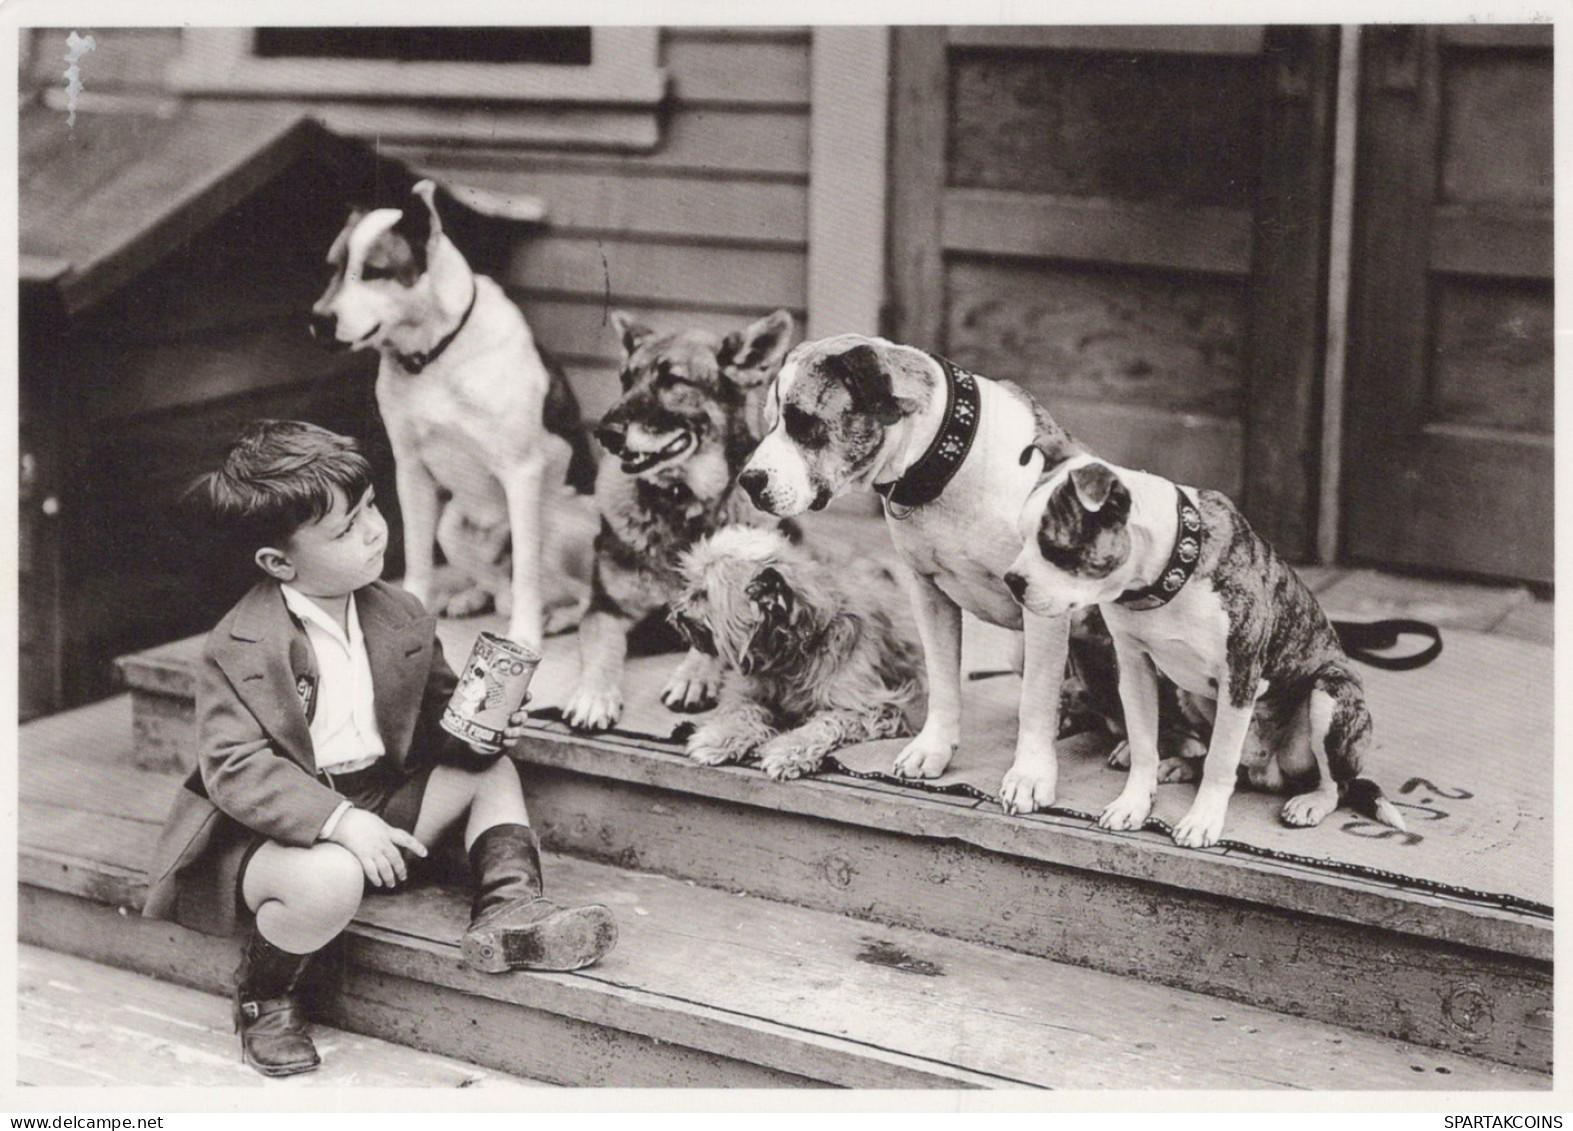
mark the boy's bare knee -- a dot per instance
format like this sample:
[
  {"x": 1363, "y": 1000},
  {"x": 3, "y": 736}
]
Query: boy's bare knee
[{"x": 337, "y": 881}]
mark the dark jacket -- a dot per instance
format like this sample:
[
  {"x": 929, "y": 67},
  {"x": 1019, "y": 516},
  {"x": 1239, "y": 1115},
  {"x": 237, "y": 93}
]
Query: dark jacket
[{"x": 255, "y": 775}]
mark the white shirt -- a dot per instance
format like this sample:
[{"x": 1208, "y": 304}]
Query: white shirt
[{"x": 344, "y": 735}]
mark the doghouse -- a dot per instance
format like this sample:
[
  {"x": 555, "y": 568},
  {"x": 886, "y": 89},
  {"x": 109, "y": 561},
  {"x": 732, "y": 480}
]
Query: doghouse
[{"x": 168, "y": 262}]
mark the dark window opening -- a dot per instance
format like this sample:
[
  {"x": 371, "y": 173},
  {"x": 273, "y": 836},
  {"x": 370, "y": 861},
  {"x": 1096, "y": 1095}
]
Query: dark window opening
[{"x": 563, "y": 46}]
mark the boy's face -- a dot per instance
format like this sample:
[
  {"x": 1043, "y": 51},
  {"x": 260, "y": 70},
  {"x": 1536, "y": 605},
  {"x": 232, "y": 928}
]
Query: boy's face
[{"x": 340, "y": 552}]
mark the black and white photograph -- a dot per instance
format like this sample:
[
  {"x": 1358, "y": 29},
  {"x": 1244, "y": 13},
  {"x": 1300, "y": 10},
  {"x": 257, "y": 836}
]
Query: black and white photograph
[{"x": 732, "y": 554}]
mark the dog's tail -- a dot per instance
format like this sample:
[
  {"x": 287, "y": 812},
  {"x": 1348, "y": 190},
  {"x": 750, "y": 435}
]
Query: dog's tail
[
  {"x": 1365, "y": 797},
  {"x": 562, "y": 418}
]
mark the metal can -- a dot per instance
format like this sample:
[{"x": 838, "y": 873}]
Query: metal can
[{"x": 491, "y": 688}]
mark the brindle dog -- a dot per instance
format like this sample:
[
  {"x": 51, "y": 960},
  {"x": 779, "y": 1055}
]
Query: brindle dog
[{"x": 673, "y": 447}]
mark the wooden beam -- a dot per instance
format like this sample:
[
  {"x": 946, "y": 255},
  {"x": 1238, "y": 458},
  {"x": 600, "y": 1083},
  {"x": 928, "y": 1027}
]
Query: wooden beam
[
  {"x": 1506, "y": 245},
  {"x": 920, "y": 107},
  {"x": 1498, "y": 35},
  {"x": 999, "y": 222},
  {"x": 846, "y": 195},
  {"x": 1187, "y": 39}
]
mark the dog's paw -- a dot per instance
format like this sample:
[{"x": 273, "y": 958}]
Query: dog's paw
[
  {"x": 924, "y": 757},
  {"x": 467, "y": 603},
  {"x": 785, "y": 761},
  {"x": 1308, "y": 809},
  {"x": 1172, "y": 770},
  {"x": 693, "y": 685},
  {"x": 563, "y": 618},
  {"x": 593, "y": 708},
  {"x": 1202, "y": 827},
  {"x": 1127, "y": 811},
  {"x": 712, "y": 747},
  {"x": 1027, "y": 789},
  {"x": 1120, "y": 756}
]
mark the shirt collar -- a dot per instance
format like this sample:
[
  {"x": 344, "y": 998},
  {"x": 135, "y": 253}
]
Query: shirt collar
[{"x": 308, "y": 610}]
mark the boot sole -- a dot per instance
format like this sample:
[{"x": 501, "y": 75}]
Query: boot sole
[
  {"x": 282, "y": 1070},
  {"x": 570, "y": 940}
]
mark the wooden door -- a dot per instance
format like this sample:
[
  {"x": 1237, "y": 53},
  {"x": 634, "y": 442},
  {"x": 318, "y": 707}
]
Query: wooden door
[
  {"x": 1130, "y": 222},
  {"x": 1449, "y": 455}
]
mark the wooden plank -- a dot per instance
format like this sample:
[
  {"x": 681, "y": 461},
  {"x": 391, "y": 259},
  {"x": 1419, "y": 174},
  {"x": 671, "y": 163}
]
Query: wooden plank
[
  {"x": 1492, "y": 358},
  {"x": 722, "y": 278},
  {"x": 1001, "y": 222},
  {"x": 1163, "y": 341},
  {"x": 920, "y": 87},
  {"x": 1498, "y": 35},
  {"x": 740, "y": 141},
  {"x": 477, "y": 1029},
  {"x": 94, "y": 1024},
  {"x": 1268, "y": 956},
  {"x": 1192, "y": 448},
  {"x": 1181, "y": 38},
  {"x": 1106, "y": 125},
  {"x": 1496, "y": 129},
  {"x": 936, "y": 1000},
  {"x": 1502, "y": 244},
  {"x": 125, "y": 58},
  {"x": 637, "y": 203},
  {"x": 578, "y": 328},
  {"x": 1283, "y": 364},
  {"x": 705, "y": 70},
  {"x": 1459, "y": 470},
  {"x": 569, "y": 127}
]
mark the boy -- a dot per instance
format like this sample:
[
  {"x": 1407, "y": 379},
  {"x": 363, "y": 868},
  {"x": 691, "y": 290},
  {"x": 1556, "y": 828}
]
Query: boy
[{"x": 321, "y": 761}]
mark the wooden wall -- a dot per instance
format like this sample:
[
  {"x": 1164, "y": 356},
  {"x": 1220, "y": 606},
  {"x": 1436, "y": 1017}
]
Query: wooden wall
[
  {"x": 710, "y": 229},
  {"x": 1129, "y": 222}
]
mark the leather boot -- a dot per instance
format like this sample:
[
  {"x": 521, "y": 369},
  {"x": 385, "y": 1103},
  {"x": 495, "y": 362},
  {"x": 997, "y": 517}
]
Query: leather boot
[
  {"x": 268, "y": 1014},
  {"x": 511, "y": 926}
]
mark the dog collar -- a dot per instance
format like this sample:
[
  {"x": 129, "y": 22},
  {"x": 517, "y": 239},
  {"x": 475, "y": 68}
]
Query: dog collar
[
  {"x": 1182, "y": 562},
  {"x": 934, "y": 469},
  {"x": 415, "y": 362}
]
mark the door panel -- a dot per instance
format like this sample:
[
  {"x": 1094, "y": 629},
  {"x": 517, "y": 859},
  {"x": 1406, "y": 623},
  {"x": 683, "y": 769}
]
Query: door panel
[{"x": 1449, "y": 452}]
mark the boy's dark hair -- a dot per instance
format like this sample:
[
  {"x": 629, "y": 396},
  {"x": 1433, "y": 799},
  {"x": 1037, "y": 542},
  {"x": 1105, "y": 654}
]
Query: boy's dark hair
[{"x": 277, "y": 476}]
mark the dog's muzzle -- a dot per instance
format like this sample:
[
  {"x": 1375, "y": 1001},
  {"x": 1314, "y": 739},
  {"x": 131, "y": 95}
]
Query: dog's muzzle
[
  {"x": 1017, "y": 585},
  {"x": 754, "y": 481}
]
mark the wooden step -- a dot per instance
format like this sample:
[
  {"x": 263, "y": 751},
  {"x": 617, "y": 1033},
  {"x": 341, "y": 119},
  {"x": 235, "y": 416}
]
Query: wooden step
[
  {"x": 83, "y": 1024},
  {"x": 1364, "y": 953},
  {"x": 706, "y": 987}
]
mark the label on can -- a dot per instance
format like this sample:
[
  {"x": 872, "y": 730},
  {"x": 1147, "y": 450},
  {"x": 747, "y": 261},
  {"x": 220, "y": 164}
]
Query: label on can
[{"x": 491, "y": 688}]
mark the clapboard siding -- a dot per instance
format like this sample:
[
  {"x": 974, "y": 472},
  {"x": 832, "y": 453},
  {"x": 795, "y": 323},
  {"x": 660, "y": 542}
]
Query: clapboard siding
[
  {"x": 712, "y": 66},
  {"x": 650, "y": 203},
  {"x": 123, "y": 59},
  {"x": 579, "y": 330},
  {"x": 717, "y": 278},
  {"x": 744, "y": 141}
]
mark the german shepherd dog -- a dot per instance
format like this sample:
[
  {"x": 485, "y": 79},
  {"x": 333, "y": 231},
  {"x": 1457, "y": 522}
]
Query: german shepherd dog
[{"x": 673, "y": 447}]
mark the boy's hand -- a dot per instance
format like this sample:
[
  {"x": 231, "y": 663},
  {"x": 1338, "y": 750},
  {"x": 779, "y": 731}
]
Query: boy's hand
[
  {"x": 376, "y": 844},
  {"x": 516, "y": 728}
]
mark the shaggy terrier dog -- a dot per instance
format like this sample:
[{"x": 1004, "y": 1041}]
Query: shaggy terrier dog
[{"x": 811, "y": 659}]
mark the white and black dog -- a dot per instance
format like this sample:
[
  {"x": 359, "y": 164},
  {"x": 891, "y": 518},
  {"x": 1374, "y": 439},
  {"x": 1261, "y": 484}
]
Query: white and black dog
[
  {"x": 813, "y": 652},
  {"x": 472, "y": 410},
  {"x": 941, "y": 446},
  {"x": 1190, "y": 592}
]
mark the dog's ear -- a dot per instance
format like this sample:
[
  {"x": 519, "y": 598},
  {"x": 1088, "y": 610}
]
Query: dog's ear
[
  {"x": 752, "y": 356},
  {"x": 418, "y": 223},
  {"x": 629, "y": 331},
  {"x": 770, "y": 591},
  {"x": 1099, "y": 489},
  {"x": 867, "y": 381}
]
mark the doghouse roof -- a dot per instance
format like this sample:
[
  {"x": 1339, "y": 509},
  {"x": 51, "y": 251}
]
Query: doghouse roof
[{"x": 104, "y": 200}]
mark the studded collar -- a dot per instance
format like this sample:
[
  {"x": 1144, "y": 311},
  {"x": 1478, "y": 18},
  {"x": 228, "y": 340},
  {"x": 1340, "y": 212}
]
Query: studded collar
[
  {"x": 415, "y": 362},
  {"x": 924, "y": 481},
  {"x": 1182, "y": 562}
]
